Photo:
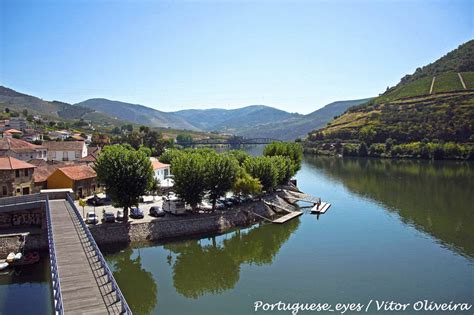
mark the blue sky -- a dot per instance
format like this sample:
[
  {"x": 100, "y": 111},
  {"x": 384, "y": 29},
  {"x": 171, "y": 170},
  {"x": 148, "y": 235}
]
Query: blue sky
[{"x": 171, "y": 55}]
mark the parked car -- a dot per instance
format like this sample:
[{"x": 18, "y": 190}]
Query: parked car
[
  {"x": 226, "y": 202},
  {"x": 156, "y": 211},
  {"x": 220, "y": 205},
  {"x": 91, "y": 218},
  {"x": 136, "y": 213},
  {"x": 234, "y": 200},
  {"x": 95, "y": 201},
  {"x": 120, "y": 216},
  {"x": 108, "y": 217}
]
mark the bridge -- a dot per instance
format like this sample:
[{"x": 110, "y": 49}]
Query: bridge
[
  {"x": 82, "y": 282},
  {"x": 233, "y": 141}
]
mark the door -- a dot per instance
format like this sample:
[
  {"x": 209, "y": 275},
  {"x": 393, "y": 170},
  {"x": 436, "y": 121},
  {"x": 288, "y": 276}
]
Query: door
[{"x": 26, "y": 190}]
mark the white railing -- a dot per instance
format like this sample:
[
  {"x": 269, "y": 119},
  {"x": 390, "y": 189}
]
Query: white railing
[{"x": 125, "y": 309}]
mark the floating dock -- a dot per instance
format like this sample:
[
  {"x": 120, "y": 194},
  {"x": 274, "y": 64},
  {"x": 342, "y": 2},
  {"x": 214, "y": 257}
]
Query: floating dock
[
  {"x": 288, "y": 217},
  {"x": 323, "y": 207}
]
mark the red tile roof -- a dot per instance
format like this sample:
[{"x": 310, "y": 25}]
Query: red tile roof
[
  {"x": 78, "y": 172},
  {"x": 10, "y": 163},
  {"x": 64, "y": 145},
  {"x": 17, "y": 145},
  {"x": 42, "y": 173},
  {"x": 157, "y": 164}
]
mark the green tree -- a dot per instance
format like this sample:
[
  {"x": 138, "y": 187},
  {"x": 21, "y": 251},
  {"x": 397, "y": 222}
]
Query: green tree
[
  {"x": 262, "y": 168},
  {"x": 221, "y": 171},
  {"x": 239, "y": 155},
  {"x": 82, "y": 203},
  {"x": 126, "y": 174},
  {"x": 154, "y": 187},
  {"x": 246, "y": 185},
  {"x": 285, "y": 168},
  {"x": 183, "y": 138},
  {"x": 189, "y": 177},
  {"x": 168, "y": 156},
  {"x": 289, "y": 149}
]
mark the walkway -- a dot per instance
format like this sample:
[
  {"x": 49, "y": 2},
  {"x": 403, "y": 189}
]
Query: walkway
[{"x": 86, "y": 286}]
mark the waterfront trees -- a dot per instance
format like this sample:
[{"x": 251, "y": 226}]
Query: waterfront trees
[
  {"x": 189, "y": 177},
  {"x": 126, "y": 174},
  {"x": 262, "y": 168},
  {"x": 294, "y": 151},
  {"x": 246, "y": 185},
  {"x": 220, "y": 174}
]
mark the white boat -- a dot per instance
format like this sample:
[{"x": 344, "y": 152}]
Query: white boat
[
  {"x": 3, "y": 265},
  {"x": 10, "y": 257}
]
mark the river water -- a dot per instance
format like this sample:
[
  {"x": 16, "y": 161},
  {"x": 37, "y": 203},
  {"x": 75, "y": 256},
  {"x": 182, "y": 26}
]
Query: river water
[{"x": 397, "y": 231}]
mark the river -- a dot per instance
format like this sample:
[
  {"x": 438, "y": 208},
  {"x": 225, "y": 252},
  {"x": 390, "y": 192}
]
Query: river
[{"x": 397, "y": 230}]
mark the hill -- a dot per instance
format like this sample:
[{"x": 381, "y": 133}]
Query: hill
[
  {"x": 234, "y": 120},
  {"x": 299, "y": 126},
  {"x": 433, "y": 105},
  {"x": 54, "y": 109},
  {"x": 136, "y": 113}
]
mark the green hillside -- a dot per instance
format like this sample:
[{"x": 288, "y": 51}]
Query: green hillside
[{"x": 425, "y": 110}]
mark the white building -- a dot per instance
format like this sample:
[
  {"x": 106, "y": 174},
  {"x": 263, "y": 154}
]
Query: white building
[
  {"x": 65, "y": 150},
  {"x": 60, "y": 134},
  {"x": 22, "y": 150},
  {"x": 160, "y": 170}
]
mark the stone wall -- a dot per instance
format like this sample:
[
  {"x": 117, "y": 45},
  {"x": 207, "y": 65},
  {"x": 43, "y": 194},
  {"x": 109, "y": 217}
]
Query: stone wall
[
  {"x": 14, "y": 242},
  {"x": 174, "y": 227}
]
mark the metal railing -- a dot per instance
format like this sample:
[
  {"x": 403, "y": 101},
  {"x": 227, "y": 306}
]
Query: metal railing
[
  {"x": 43, "y": 200},
  {"x": 56, "y": 284},
  {"x": 125, "y": 309}
]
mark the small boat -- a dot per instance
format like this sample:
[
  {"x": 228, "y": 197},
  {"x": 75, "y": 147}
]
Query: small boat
[
  {"x": 28, "y": 259},
  {"x": 18, "y": 256},
  {"x": 11, "y": 257},
  {"x": 3, "y": 265}
]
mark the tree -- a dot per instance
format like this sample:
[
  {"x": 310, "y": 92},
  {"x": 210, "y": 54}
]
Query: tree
[
  {"x": 168, "y": 156},
  {"x": 7, "y": 110},
  {"x": 82, "y": 203},
  {"x": 246, "y": 185},
  {"x": 239, "y": 155},
  {"x": 189, "y": 177},
  {"x": 284, "y": 167},
  {"x": 126, "y": 174},
  {"x": 221, "y": 171},
  {"x": 183, "y": 138},
  {"x": 262, "y": 168},
  {"x": 289, "y": 149},
  {"x": 25, "y": 113},
  {"x": 154, "y": 187}
]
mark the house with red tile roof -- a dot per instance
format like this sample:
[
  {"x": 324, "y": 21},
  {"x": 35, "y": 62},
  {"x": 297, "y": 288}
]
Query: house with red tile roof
[
  {"x": 82, "y": 179},
  {"x": 21, "y": 149},
  {"x": 160, "y": 170},
  {"x": 16, "y": 177}
]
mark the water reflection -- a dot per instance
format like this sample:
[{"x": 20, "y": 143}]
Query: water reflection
[
  {"x": 435, "y": 197},
  {"x": 141, "y": 289},
  {"x": 213, "y": 268}
]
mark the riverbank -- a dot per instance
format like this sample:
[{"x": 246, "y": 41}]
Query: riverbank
[
  {"x": 191, "y": 224},
  {"x": 162, "y": 228}
]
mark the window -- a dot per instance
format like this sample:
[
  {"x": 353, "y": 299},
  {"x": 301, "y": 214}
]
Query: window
[
  {"x": 53, "y": 154},
  {"x": 4, "y": 190},
  {"x": 78, "y": 154},
  {"x": 17, "y": 173},
  {"x": 26, "y": 172}
]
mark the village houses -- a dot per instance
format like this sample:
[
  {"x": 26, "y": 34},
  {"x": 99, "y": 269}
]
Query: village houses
[{"x": 16, "y": 177}]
